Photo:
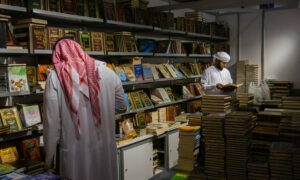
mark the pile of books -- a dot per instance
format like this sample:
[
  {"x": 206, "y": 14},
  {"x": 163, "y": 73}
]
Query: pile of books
[
  {"x": 281, "y": 158},
  {"x": 246, "y": 74},
  {"x": 237, "y": 127},
  {"x": 213, "y": 133},
  {"x": 258, "y": 167},
  {"x": 245, "y": 99},
  {"x": 189, "y": 144},
  {"x": 195, "y": 119},
  {"x": 291, "y": 103},
  {"x": 251, "y": 74},
  {"x": 216, "y": 104},
  {"x": 279, "y": 89},
  {"x": 266, "y": 130}
]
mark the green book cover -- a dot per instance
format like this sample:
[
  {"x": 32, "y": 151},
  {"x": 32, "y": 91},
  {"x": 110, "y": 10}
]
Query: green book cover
[
  {"x": 17, "y": 77},
  {"x": 145, "y": 99},
  {"x": 85, "y": 40}
]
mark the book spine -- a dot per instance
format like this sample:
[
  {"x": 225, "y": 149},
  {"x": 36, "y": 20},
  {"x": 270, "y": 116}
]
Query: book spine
[{"x": 3, "y": 29}]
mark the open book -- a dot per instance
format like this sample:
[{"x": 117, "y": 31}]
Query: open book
[{"x": 231, "y": 86}]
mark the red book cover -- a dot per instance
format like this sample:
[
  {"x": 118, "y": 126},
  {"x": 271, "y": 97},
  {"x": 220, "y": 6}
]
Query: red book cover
[{"x": 31, "y": 150}]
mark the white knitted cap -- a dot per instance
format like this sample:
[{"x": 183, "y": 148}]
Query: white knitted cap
[{"x": 222, "y": 56}]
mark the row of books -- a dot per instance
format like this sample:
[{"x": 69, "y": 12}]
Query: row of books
[
  {"x": 22, "y": 78},
  {"x": 35, "y": 34},
  {"x": 140, "y": 99},
  {"x": 137, "y": 71},
  {"x": 20, "y": 118},
  {"x": 132, "y": 12}
]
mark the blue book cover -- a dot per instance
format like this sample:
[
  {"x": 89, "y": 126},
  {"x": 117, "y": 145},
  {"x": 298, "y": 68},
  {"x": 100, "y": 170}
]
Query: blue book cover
[
  {"x": 178, "y": 73},
  {"x": 127, "y": 101},
  {"x": 145, "y": 45},
  {"x": 138, "y": 71},
  {"x": 147, "y": 72},
  {"x": 121, "y": 73}
]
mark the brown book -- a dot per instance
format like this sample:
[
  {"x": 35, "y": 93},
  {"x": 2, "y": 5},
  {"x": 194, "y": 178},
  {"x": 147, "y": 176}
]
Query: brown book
[
  {"x": 109, "y": 42},
  {"x": 72, "y": 34},
  {"x": 54, "y": 34},
  {"x": 31, "y": 149},
  {"x": 32, "y": 21},
  {"x": 97, "y": 41},
  {"x": 68, "y": 6},
  {"x": 38, "y": 37}
]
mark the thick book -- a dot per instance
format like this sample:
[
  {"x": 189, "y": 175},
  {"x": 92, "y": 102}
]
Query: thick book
[
  {"x": 68, "y": 6},
  {"x": 109, "y": 42},
  {"x": 38, "y": 37},
  {"x": 31, "y": 149},
  {"x": 120, "y": 72},
  {"x": 72, "y": 34},
  {"x": 54, "y": 34},
  {"x": 97, "y": 41},
  {"x": 10, "y": 117}
]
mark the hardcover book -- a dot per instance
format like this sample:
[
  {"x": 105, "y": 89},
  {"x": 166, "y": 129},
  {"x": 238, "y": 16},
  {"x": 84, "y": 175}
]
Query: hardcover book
[
  {"x": 10, "y": 117},
  {"x": 97, "y": 41},
  {"x": 17, "y": 78},
  {"x": 9, "y": 155},
  {"x": 31, "y": 114},
  {"x": 137, "y": 68},
  {"x": 72, "y": 34},
  {"x": 85, "y": 40},
  {"x": 31, "y": 75},
  {"x": 145, "y": 99},
  {"x": 109, "y": 42},
  {"x": 128, "y": 69},
  {"x": 38, "y": 37},
  {"x": 121, "y": 73},
  {"x": 80, "y": 7},
  {"x": 68, "y": 6},
  {"x": 136, "y": 99},
  {"x": 31, "y": 150},
  {"x": 54, "y": 34}
]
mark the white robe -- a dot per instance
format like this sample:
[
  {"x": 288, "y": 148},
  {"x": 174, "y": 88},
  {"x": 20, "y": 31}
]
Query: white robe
[
  {"x": 212, "y": 76},
  {"x": 94, "y": 154}
]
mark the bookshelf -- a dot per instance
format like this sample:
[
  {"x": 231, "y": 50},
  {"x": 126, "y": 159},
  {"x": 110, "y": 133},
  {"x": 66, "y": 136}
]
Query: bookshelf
[{"x": 91, "y": 24}]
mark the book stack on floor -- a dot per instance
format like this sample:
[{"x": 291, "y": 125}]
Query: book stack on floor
[
  {"x": 281, "y": 156},
  {"x": 266, "y": 130},
  {"x": 291, "y": 103},
  {"x": 251, "y": 75},
  {"x": 213, "y": 133},
  {"x": 189, "y": 144},
  {"x": 216, "y": 104},
  {"x": 241, "y": 75},
  {"x": 195, "y": 119},
  {"x": 245, "y": 99},
  {"x": 290, "y": 132},
  {"x": 258, "y": 167},
  {"x": 279, "y": 89},
  {"x": 237, "y": 130}
]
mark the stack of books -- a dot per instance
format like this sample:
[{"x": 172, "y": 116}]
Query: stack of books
[
  {"x": 258, "y": 167},
  {"x": 189, "y": 144},
  {"x": 266, "y": 130},
  {"x": 279, "y": 89},
  {"x": 251, "y": 74},
  {"x": 291, "y": 103},
  {"x": 245, "y": 99},
  {"x": 281, "y": 156},
  {"x": 195, "y": 119},
  {"x": 213, "y": 133},
  {"x": 216, "y": 104},
  {"x": 237, "y": 127},
  {"x": 241, "y": 75}
]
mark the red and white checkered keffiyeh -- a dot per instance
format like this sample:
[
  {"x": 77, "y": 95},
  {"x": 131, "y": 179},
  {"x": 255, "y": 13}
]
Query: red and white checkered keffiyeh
[{"x": 77, "y": 74}]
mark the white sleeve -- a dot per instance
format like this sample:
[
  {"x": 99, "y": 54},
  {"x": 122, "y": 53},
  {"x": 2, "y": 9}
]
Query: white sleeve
[
  {"x": 120, "y": 104},
  {"x": 51, "y": 121},
  {"x": 205, "y": 80}
]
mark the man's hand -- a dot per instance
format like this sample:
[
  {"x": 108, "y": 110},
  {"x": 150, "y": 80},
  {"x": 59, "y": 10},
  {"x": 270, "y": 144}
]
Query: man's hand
[{"x": 220, "y": 86}]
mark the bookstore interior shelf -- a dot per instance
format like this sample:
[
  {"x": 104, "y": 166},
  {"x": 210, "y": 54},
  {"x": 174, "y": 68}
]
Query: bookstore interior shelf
[
  {"x": 20, "y": 135},
  {"x": 13, "y": 8},
  {"x": 126, "y": 25},
  {"x": 118, "y": 116},
  {"x": 67, "y": 17},
  {"x": 9, "y": 94},
  {"x": 5, "y": 51}
]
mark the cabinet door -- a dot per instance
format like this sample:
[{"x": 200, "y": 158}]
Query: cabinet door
[
  {"x": 173, "y": 141},
  {"x": 138, "y": 162}
]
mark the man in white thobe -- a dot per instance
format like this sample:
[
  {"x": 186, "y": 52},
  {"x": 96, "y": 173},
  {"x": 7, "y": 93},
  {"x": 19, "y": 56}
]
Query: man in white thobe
[
  {"x": 216, "y": 76},
  {"x": 79, "y": 114}
]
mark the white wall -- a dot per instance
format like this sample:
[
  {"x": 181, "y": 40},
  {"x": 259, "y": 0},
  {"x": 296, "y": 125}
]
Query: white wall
[
  {"x": 282, "y": 42},
  {"x": 282, "y": 52}
]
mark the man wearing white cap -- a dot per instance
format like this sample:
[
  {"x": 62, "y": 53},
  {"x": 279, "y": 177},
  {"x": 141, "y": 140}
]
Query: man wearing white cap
[{"x": 216, "y": 76}]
